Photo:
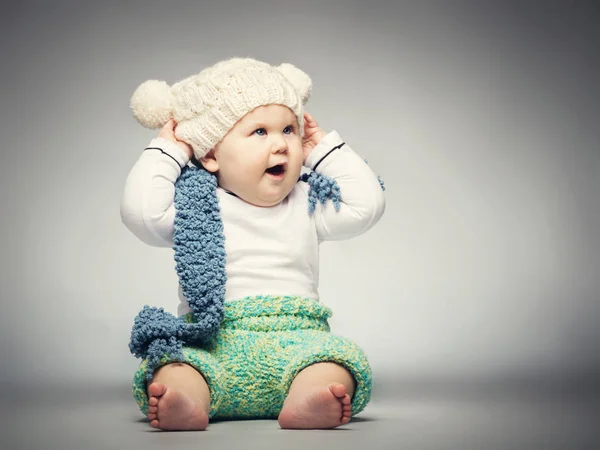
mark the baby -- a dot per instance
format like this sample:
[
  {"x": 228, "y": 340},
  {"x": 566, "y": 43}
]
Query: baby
[{"x": 251, "y": 339}]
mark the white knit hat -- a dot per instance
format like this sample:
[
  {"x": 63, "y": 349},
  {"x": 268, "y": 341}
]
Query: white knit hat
[{"x": 207, "y": 105}]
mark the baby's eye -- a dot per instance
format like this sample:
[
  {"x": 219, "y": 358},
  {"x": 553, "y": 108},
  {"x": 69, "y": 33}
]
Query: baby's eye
[
  {"x": 260, "y": 131},
  {"x": 288, "y": 130}
]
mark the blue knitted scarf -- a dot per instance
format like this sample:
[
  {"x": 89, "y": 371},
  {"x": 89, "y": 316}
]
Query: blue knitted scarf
[{"x": 199, "y": 247}]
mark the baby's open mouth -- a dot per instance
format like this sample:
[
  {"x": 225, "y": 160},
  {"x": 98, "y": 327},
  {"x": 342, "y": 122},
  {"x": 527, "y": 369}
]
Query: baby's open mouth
[{"x": 277, "y": 170}]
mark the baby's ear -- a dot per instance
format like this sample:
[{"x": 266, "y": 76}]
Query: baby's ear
[
  {"x": 299, "y": 79},
  {"x": 209, "y": 161}
]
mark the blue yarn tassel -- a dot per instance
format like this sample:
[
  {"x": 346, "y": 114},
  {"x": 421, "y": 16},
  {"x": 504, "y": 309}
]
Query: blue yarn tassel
[
  {"x": 322, "y": 188},
  {"x": 378, "y": 178}
]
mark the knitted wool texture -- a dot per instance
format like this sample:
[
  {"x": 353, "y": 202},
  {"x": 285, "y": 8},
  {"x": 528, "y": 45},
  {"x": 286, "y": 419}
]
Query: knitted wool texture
[
  {"x": 200, "y": 264},
  {"x": 207, "y": 105},
  {"x": 322, "y": 188},
  {"x": 263, "y": 343},
  {"x": 200, "y": 257}
]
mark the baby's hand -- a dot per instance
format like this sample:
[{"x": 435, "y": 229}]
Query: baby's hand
[
  {"x": 168, "y": 132},
  {"x": 312, "y": 135}
]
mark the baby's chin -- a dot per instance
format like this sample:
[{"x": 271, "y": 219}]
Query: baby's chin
[{"x": 264, "y": 201}]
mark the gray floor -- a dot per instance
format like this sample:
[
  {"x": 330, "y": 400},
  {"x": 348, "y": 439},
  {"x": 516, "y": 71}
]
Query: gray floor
[{"x": 418, "y": 416}]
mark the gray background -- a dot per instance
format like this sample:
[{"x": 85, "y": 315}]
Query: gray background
[{"x": 482, "y": 118}]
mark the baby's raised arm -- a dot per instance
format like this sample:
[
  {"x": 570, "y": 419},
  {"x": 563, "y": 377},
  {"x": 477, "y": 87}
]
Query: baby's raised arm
[
  {"x": 147, "y": 206},
  {"x": 362, "y": 199}
]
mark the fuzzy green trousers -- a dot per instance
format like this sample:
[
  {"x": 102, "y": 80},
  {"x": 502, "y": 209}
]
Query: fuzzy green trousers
[{"x": 263, "y": 343}]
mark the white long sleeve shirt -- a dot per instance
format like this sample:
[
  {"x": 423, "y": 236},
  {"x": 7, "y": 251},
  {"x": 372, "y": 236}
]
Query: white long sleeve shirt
[{"x": 272, "y": 250}]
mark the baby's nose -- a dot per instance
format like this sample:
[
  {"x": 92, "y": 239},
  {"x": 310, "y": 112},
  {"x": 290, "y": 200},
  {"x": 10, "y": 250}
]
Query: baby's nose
[{"x": 279, "y": 144}]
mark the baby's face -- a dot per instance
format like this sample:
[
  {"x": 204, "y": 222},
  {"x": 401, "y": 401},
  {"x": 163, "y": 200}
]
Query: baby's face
[{"x": 261, "y": 157}]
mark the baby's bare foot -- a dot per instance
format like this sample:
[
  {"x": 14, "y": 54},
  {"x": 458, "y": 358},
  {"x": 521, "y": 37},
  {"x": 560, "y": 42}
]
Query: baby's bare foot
[
  {"x": 326, "y": 407},
  {"x": 170, "y": 409}
]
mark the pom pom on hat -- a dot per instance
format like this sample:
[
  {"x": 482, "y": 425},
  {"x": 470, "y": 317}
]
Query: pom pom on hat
[
  {"x": 297, "y": 78},
  {"x": 151, "y": 104}
]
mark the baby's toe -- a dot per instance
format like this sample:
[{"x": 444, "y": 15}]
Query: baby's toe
[
  {"x": 157, "y": 389},
  {"x": 339, "y": 390}
]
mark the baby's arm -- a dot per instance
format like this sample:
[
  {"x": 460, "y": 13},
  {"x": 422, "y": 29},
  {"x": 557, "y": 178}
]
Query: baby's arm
[
  {"x": 147, "y": 205},
  {"x": 362, "y": 199}
]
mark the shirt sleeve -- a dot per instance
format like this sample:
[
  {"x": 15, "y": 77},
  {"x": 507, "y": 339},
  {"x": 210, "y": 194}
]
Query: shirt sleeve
[
  {"x": 147, "y": 205},
  {"x": 362, "y": 199}
]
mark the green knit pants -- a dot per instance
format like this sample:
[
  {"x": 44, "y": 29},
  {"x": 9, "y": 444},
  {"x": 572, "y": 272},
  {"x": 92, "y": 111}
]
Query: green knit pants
[{"x": 263, "y": 343}]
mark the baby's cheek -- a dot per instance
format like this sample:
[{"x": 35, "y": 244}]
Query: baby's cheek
[{"x": 258, "y": 163}]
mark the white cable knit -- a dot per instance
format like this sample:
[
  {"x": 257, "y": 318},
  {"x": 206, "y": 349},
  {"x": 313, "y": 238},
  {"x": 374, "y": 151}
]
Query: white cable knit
[{"x": 207, "y": 105}]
